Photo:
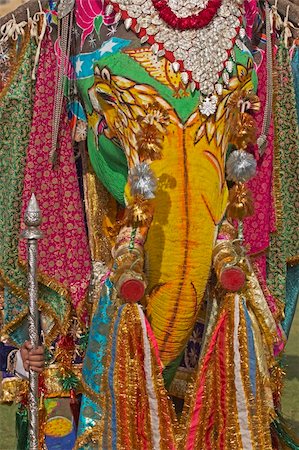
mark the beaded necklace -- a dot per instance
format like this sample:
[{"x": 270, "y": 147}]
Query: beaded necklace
[
  {"x": 196, "y": 36},
  {"x": 174, "y": 18}
]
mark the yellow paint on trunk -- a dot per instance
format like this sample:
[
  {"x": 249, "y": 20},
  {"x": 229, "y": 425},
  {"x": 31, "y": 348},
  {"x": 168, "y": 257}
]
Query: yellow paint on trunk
[{"x": 180, "y": 240}]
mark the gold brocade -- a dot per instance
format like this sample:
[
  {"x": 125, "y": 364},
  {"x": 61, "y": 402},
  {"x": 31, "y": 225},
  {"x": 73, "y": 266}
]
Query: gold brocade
[
  {"x": 17, "y": 58},
  {"x": 90, "y": 393},
  {"x": 233, "y": 438},
  {"x": 19, "y": 292},
  {"x": 245, "y": 372},
  {"x": 180, "y": 383},
  {"x": 14, "y": 388},
  {"x": 277, "y": 375},
  {"x": 100, "y": 209},
  {"x": 90, "y": 437},
  {"x": 261, "y": 309},
  {"x": 128, "y": 390},
  {"x": 293, "y": 260},
  {"x": 218, "y": 413}
]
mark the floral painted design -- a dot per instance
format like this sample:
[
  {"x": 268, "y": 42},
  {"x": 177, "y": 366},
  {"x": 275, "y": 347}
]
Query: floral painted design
[{"x": 90, "y": 15}]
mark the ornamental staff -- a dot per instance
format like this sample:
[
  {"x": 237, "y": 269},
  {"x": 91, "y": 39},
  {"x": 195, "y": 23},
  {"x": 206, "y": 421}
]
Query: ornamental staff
[{"x": 32, "y": 220}]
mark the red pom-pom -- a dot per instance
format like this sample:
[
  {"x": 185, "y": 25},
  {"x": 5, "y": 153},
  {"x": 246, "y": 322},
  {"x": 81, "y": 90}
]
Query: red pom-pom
[
  {"x": 132, "y": 290},
  {"x": 232, "y": 279}
]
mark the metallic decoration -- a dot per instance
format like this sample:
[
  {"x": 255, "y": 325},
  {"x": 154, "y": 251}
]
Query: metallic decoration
[
  {"x": 262, "y": 139},
  {"x": 209, "y": 105},
  {"x": 240, "y": 166},
  {"x": 32, "y": 234},
  {"x": 143, "y": 181},
  {"x": 65, "y": 7},
  {"x": 183, "y": 8},
  {"x": 65, "y": 26},
  {"x": 240, "y": 203},
  {"x": 200, "y": 54}
]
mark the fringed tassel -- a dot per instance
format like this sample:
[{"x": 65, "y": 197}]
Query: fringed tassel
[
  {"x": 229, "y": 403},
  {"x": 136, "y": 412},
  {"x": 22, "y": 428}
]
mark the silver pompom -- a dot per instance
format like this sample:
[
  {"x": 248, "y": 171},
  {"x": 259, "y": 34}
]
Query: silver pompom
[
  {"x": 142, "y": 180},
  {"x": 240, "y": 166}
]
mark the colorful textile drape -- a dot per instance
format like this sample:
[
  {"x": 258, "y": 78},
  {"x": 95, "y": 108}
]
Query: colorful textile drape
[
  {"x": 292, "y": 284},
  {"x": 284, "y": 245},
  {"x": 15, "y": 114},
  {"x": 257, "y": 228},
  {"x": 125, "y": 405},
  {"x": 16, "y": 100},
  {"x": 64, "y": 258},
  {"x": 231, "y": 398},
  {"x": 295, "y": 71}
]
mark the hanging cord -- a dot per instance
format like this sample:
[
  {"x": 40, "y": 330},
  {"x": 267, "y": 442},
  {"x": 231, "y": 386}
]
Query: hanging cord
[
  {"x": 262, "y": 139},
  {"x": 37, "y": 18},
  {"x": 287, "y": 28},
  {"x": 12, "y": 30},
  {"x": 65, "y": 24},
  {"x": 275, "y": 19}
]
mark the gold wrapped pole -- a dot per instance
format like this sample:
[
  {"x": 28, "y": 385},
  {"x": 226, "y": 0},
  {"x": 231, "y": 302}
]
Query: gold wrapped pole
[{"x": 32, "y": 234}]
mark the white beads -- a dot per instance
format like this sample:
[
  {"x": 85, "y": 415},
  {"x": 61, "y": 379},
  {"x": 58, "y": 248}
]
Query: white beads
[{"x": 201, "y": 52}]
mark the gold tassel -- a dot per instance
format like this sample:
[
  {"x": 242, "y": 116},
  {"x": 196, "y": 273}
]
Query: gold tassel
[{"x": 240, "y": 202}]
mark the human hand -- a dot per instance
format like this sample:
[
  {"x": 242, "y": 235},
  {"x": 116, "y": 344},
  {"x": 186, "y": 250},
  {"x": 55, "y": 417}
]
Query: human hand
[{"x": 32, "y": 358}]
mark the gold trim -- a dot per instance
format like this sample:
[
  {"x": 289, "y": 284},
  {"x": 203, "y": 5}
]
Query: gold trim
[
  {"x": 48, "y": 281},
  {"x": 293, "y": 260},
  {"x": 86, "y": 390},
  {"x": 20, "y": 292},
  {"x": 181, "y": 381},
  {"x": 62, "y": 291},
  {"x": 16, "y": 65},
  {"x": 13, "y": 389},
  {"x": 90, "y": 434}
]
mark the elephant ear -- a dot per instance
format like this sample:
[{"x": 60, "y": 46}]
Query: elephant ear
[
  {"x": 109, "y": 163},
  {"x": 160, "y": 69}
]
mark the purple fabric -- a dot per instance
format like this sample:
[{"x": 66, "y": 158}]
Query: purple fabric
[{"x": 4, "y": 352}]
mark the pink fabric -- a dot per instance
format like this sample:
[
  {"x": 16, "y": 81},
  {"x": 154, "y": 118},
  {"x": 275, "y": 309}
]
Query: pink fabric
[
  {"x": 87, "y": 11},
  {"x": 251, "y": 11},
  {"x": 257, "y": 228},
  {"x": 64, "y": 258},
  {"x": 68, "y": 69}
]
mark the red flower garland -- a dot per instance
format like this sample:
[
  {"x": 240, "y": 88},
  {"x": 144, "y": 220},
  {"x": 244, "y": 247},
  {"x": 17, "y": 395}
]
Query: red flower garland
[{"x": 200, "y": 20}]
